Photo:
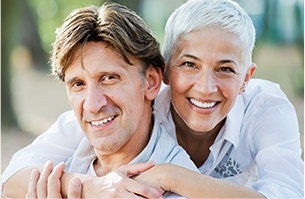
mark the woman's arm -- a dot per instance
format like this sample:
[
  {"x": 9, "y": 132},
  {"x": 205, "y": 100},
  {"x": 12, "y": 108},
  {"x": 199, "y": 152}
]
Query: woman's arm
[
  {"x": 116, "y": 184},
  {"x": 16, "y": 186},
  {"x": 191, "y": 184}
]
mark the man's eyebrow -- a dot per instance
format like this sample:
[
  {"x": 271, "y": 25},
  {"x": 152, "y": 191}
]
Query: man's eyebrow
[{"x": 69, "y": 80}]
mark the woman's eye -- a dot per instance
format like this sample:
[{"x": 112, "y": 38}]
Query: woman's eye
[
  {"x": 227, "y": 69},
  {"x": 188, "y": 64}
]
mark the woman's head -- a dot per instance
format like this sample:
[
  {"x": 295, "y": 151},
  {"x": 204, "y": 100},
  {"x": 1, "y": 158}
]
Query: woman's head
[
  {"x": 114, "y": 24},
  {"x": 224, "y": 15},
  {"x": 207, "y": 50}
]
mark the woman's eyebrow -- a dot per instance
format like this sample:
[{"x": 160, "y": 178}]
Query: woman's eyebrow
[
  {"x": 190, "y": 56},
  {"x": 227, "y": 61}
]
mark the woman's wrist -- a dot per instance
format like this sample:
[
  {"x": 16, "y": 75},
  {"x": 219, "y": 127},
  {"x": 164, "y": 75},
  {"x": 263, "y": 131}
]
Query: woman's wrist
[
  {"x": 86, "y": 181},
  {"x": 166, "y": 177},
  {"x": 173, "y": 177}
]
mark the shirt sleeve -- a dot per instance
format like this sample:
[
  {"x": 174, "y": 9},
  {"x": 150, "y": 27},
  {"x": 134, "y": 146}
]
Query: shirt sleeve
[
  {"x": 276, "y": 146},
  {"x": 58, "y": 143}
]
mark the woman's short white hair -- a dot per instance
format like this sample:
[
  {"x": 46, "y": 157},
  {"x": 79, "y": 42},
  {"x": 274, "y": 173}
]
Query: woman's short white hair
[{"x": 224, "y": 15}]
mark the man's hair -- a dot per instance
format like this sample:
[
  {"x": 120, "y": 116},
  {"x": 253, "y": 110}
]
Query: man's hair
[
  {"x": 121, "y": 28},
  {"x": 224, "y": 15}
]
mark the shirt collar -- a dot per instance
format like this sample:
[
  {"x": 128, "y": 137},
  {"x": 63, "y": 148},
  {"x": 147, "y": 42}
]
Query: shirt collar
[
  {"x": 232, "y": 127},
  {"x": 159, "y": 146}
]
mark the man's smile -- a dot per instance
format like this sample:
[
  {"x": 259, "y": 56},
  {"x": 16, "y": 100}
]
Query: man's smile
[{"x": 102, "y": 122}]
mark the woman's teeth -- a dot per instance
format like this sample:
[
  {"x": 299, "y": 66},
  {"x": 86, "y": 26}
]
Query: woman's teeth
[{"x": 202, "y": 104}]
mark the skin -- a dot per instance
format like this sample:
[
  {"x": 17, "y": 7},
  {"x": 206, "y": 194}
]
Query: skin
[
  {"x": 47, "y": 184},
  {"x": 102, "y": 89},
  {"x": 192, "y": 184}
]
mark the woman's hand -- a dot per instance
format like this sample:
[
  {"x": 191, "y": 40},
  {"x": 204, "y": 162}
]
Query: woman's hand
[
  {"x": 119, "y": 184},
  {"x": 116, "y": 184},
  {"x": 156, "y": 177},
  {"x": 48, "y": 185}
]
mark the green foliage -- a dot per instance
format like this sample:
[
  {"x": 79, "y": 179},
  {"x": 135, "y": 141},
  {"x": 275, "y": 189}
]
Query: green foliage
[{"x": 49, "y": 14}]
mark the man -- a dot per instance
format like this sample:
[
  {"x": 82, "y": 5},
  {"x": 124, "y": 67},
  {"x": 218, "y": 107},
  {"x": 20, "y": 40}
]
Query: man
[
  {"x": 54, "y": 185},
  {"x": 112, "y": 69}
]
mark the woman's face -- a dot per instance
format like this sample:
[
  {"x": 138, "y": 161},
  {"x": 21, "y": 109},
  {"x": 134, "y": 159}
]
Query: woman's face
[{"x": 205, "y": 74}]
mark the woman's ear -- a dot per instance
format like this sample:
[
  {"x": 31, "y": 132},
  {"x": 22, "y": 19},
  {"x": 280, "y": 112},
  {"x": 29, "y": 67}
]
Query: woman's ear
[
  {"x": 154, "y": 79},
  {"x": 248, "y": 76},
  {"x": 165, "y": 78}
]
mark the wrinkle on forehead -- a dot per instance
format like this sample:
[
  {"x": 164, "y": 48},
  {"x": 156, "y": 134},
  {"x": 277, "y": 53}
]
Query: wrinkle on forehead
[{"x": 231, "y": 44}]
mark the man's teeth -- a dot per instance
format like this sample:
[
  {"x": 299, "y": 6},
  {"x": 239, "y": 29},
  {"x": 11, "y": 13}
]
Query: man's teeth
[
  {"x": 202, "y": 104},
  {"x": 102, "y": 122}
]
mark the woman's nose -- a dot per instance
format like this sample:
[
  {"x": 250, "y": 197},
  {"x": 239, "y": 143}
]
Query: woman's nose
[{"x": 206, "y": 82}]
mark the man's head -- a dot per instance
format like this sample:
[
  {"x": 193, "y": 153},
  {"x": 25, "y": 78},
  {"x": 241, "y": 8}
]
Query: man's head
[
  {"x": 118, "y": 26},
  {"x": 112, "y": 68}
]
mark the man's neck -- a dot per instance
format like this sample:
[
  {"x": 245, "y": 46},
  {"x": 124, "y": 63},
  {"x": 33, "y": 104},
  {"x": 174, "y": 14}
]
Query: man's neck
[{"x": 105, "y": 163}]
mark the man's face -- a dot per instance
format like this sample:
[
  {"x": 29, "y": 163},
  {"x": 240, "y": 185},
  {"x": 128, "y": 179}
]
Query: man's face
[{"x": 108, "y": 97}]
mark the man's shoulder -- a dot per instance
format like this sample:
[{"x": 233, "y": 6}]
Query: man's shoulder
[
  {"x": 67, "y": 118},
  {"x": 169, "y": 151}
]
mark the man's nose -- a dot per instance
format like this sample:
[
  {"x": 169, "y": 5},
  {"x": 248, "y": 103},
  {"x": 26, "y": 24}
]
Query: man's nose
[{"x": 95, "y": 100}]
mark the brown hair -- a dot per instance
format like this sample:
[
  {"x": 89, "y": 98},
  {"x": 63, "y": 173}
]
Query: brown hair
[{"x": 115, "y": 24}]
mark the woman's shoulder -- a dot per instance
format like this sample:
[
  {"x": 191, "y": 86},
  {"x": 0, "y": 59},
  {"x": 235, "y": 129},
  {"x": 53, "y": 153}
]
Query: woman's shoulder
[
  {"x": 261, "y": 85},
  {"x": 264, "y": 91}
]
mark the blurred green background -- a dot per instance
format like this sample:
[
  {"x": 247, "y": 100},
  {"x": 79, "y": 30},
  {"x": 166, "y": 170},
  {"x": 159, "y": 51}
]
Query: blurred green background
[{"x": 31, "y": 99}]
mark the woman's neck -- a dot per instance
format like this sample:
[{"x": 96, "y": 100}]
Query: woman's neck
[{"x": 197, "y": 144}]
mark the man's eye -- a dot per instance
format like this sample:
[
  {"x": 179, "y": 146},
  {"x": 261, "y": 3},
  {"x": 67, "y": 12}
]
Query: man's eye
[
  {"x": 108, "y": 79},
  {"x": 77, "y": 84}
]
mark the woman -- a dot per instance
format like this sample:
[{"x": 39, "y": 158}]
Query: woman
[
  {"x": 242, "y": 134},
  {"x": 241, "y": 130}
]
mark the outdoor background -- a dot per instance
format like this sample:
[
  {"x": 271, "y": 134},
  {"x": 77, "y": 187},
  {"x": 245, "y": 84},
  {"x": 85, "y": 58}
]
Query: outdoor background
[{"x": 31, "y": 99}]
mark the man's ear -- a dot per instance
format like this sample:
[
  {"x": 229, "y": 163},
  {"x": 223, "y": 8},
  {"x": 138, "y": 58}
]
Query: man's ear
[
  {"x": 154, "y": 79},
  {"x": 248, "y": 76}
]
